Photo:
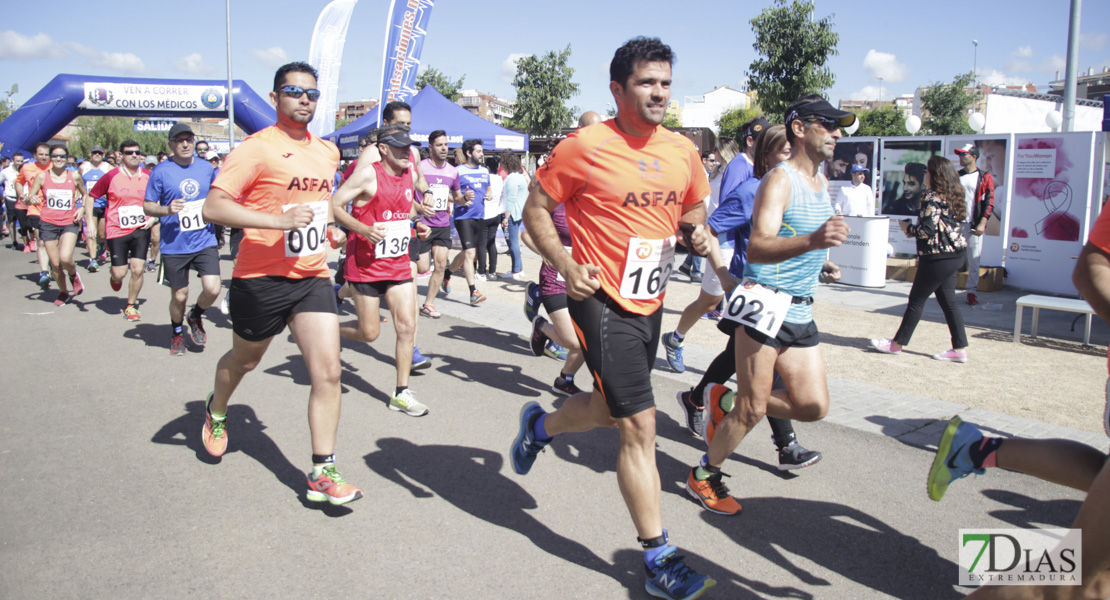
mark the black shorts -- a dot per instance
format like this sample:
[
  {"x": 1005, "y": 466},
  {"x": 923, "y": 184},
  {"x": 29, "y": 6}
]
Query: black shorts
[
  {"x": 440, "y": 236},
  {"x": 98, "y": 212},
  {"x": 131, "y": 246},
  {"x": 49, "y": 232},
  {"x": 236, "y": 237},
  {"x": 791, "y": 335},
  {"x": 468, "y": 232},
  {"x": 554, "y": 302},
  {"x": 620, "y": 349},
  {"x": 21, "y": 216},
  {"x": 414, "y": 249},
  {"x": 175, "y": 267},
  {"x": 33, "y": 222},
  {"x": 375, "y": 289},
  {"x": 260, "y": 307},
  {"x": 9, "y": 210}
]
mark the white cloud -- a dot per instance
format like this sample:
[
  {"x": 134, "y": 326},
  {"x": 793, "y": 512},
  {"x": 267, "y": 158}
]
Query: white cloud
[
  {"x": 996, "y": 77},
  {"x": 1092, "y": 41},
  {"x": 870, "y": 92},
  {"x": 1023, "y": 52},
  {"x": 271, "y": 57},
  {"x": 193, "y": 64},
  {"x": 885, "y": 65},
  {"x": 15, "y": 45},
  {"x": 125, "y": 62},
  {"x": 1054, "y": 63},
  {"x": 508, "y": 66}
]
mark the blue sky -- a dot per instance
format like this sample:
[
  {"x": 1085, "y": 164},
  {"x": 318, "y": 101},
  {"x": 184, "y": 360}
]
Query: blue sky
[{"x": 908, "y": 44}]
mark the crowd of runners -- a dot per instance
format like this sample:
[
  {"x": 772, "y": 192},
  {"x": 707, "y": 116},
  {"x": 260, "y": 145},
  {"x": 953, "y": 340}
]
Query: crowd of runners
[{"x": 606, "y": 212}]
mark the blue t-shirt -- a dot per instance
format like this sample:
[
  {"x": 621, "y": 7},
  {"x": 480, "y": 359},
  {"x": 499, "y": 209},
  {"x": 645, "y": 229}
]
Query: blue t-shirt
[
  {"x": 477, "y": 179},
  {"x": 736, "y": 172},
  {"x": 93, "y": 175},
  {"x": 170, "y": 181},
  {"x": 733, "y": 219}
]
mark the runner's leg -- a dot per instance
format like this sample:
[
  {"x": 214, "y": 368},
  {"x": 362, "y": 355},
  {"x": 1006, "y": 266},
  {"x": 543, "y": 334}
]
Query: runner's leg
[{"x": 317, "y": 336}]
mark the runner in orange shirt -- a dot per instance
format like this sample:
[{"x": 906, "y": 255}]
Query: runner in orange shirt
[
  {"x": 61, "y": 220},
  {"x": 276, "y": 186},
  {"x": 33, "y": 205},
  {"x": 626, "y": 183}
]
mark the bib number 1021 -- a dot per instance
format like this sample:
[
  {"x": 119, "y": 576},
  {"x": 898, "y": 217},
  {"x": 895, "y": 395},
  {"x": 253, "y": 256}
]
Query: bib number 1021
[{"x": 308, "y": 240}]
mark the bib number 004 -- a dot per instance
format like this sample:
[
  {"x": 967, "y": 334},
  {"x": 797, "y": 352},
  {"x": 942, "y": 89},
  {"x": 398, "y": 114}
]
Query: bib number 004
[
  {"x": 647, "y": 268},
  {"x": 758, "y": 307},
  {"x": 308, "y": 240}
]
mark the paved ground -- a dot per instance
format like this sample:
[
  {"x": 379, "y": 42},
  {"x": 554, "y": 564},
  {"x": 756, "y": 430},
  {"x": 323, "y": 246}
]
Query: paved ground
[{"x": 110, "y": 493}]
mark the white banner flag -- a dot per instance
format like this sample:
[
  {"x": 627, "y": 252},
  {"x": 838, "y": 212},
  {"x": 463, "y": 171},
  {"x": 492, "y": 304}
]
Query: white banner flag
[{"x": 326, "y": 54}]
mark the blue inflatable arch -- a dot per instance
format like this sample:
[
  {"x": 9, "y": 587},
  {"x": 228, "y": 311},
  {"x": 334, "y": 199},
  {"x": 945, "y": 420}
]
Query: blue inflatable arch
[{"x": 69, "y": 96}]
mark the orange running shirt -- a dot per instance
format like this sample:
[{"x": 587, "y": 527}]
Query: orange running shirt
[
  {"x": 617, "y": 187},
  {"x": 27, "y": 174},
  {"x": 270, "y": 170},
  {"x": 1100, "y": 238}
]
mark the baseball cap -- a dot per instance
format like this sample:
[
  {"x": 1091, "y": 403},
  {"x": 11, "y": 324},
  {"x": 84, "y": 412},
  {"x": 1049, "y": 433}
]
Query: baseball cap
[
  {"x": 755, "y": 128},
  {"x": 179, "y": 128},
  {"x": 212, "y": 155},
  {"x": 151, "y": 160},
  {"x": 96, "y": 149},
  {"x": 821, "y": 108},
  {"x": 397, "y": 139},
  {"x": 971, "y": 149},
  {"x": 858, "y": 168}
]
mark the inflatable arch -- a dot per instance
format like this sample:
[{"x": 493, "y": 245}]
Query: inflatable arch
[{"x": 69, "y": 96}]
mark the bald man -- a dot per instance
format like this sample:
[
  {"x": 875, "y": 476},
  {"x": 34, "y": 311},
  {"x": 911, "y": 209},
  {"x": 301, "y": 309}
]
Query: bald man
[{"x": 589, "y": 118}]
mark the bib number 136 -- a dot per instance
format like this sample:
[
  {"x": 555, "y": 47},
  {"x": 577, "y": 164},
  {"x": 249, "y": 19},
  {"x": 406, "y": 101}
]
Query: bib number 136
[
  {"x": 647, "y": 268},
  {"x": 758, "y": 307},
  {"x": 308, "y": 240}
]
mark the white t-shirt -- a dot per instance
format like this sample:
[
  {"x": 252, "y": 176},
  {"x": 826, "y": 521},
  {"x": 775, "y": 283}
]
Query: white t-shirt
[
  {"x": 495, "y": 204},
  {"x": 855, "y": 201},
  {"x": 8, "y": 175},
  {"x": 969, "y": 181}
]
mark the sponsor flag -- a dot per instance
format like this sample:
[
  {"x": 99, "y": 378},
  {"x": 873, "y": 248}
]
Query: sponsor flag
[
  {"x": 326, "y": 54},
  {"x": 404, "y": 39}
]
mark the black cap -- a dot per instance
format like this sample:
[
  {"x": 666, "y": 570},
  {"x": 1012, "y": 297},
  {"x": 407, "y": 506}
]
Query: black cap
[
  {"x": 96, "y": 149},
  {"x": 179, "y": 128},
  {"x": 971, "y": 149},
  {"x": 398, "y": 139},
  {"x": 821, "y": 108},
  {"x": 754, "y": 128}
]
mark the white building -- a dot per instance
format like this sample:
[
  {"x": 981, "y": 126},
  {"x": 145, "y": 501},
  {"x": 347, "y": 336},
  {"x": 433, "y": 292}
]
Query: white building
[{"x": 703, "y": 111}]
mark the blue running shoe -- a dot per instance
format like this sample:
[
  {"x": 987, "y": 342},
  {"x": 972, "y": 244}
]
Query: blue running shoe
[
  {"x": 674, "y": 353},
  {"x": 953, "y": 459},
  {"x": 553, "y": 350},
  {"x": 670, "y": 578},
  {"x": 419, "y": 361},
  {"x": 532, "y": 300},
  {"x": 526, "y": 447}
]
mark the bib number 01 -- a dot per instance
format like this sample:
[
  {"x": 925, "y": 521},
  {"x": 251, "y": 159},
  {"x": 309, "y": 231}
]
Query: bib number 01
[
  {"x": 190, "y": 217},
  {"x": 758, "y": 307},
  {"x": 308, "y": 240},
  {"x": 647, "y": 268}
]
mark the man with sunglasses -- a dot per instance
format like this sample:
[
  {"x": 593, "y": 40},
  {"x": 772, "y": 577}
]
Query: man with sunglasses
[
  {"x": 33, "y": 205},
  {"x": 127, "y": 226},
  {"x": 793, "y": 226},
  {"x": 92, "y": 170},
  {"x": 277, "y": 186},
  {"x": 176, "y": 193}
]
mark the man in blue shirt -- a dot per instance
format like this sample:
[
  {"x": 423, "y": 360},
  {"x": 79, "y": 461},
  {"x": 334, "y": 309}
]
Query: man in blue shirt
[
  {"x": 474, "y": 182},
  {"x": 91, "y": 172},
  {"x": 176, "y": 194}
]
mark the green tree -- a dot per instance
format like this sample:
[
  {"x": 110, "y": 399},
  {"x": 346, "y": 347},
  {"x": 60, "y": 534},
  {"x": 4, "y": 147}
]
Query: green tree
[
  {"x": 109, "y": 132},
  {"x": 945, "y": 106},
  {"x": 885, "y": 121},
  {"x": 671, "y": 121},
  {"x": 543, "y": 86},
  {"x": 793, "y": 52},
  {"x": 441, "y": 82},
  {"x": 730, "y": 121},
  {"x": 342, "y": 123}
]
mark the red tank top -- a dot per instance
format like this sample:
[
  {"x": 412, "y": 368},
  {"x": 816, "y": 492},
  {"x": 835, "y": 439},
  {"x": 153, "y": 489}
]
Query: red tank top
[
  {"x": 60, "y": 203},
  {"x": 387, "y": 260}
]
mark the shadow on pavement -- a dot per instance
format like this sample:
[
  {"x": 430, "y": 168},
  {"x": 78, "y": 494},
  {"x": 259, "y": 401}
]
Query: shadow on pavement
[
  {"x": 486, "y": 337},
  {"x": 842, "y": 539},
  {"x": 455, "y": 472},
  {"x": 246, "y": 435},
  {"x": 1028, "y": 513}
]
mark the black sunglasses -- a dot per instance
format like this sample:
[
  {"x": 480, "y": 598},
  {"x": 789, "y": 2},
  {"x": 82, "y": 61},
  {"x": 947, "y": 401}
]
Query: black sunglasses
[
  {"x": 830, "y": 125},
  {"x": 131, "y": 152},
  {"x": 295, "y": 91},
  {"x": 59, "y": 156}
]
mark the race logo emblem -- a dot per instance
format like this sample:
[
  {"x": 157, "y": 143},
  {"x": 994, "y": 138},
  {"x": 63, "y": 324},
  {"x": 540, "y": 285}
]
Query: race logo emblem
[
  {"x": 1015, "y": 247},
  {"x": 748, "y": 284},
  {"x": 643, "y": 251},
  {"x": 408, "y": 195},
  {"x": 387, "y": 215},
  {"x": 101, "y": 96},
  {"x": 211, "y": 98},
  {"x": 190, "y": 188}
]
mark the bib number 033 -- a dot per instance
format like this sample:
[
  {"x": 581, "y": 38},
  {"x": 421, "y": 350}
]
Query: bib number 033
[
  {"x": 758, "y": 307},
  {"x": 308, "y": 240},
  {"x": 647, "y": 268}
]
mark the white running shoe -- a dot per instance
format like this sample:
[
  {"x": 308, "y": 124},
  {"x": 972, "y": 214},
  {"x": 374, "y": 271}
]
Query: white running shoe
[{"x": 406, "y": 402}]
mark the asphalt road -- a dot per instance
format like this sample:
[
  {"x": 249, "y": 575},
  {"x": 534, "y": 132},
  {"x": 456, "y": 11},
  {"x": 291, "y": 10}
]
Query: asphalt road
[{"x": 110, "y": 494}]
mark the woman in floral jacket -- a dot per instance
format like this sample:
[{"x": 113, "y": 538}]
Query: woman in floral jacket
[{"x": 941, "y": 251}]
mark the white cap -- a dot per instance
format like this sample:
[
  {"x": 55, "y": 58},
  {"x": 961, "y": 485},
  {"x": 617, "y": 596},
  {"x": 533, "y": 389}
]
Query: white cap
[{"x": 212, "y": 154}]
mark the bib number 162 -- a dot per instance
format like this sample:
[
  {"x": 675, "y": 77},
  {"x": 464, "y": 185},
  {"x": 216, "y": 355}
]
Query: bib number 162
[{"x": 647, "y": 269}]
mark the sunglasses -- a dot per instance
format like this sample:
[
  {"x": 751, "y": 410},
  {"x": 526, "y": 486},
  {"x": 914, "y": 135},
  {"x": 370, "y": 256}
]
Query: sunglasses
[
  {"x": 296, "y": 91},
  {"x": 131, "y": 152},
  {"x": 830, "y": 125},
  {"x": 61, "y": 156},
  {"x": 184, "y": 140}
]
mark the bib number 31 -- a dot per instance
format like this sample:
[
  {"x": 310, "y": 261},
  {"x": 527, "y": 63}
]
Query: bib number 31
[
  {"x": 758, "y": 307},
  {"x": 647, "y": 268},
  {"x": 308, "y": 240}
]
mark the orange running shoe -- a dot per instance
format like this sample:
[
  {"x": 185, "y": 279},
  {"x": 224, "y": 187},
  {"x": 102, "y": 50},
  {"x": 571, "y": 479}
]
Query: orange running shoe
[
  {"x": 214, "y": 433},
  {"x": 712, "y": 494},
  {"x": 712, "y": 397},
  {"x": 329, "y": 486}
]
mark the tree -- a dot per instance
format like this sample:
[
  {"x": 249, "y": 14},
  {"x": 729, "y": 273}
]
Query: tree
[
  {"x": 793, "y": 54},
  {"x": 109, "y": 132},
  {"x": 730, "y": 121},
  {"x": 945, "y": 106},
  {"x": 443, "y": 84},
  {"x": 884, "y": 121},
  {"x": 543, "y": 86},
  {"x": 671, "y": 121}
]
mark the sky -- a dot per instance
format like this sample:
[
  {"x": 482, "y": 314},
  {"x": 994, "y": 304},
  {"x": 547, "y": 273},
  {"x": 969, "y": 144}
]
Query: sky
[{"x": 906, "y": 43}]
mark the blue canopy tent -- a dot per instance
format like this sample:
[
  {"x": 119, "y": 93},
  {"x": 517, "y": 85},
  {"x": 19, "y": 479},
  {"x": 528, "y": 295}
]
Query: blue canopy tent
[
  {"x": 69, "y": 96},
  {"x": 432, "y": 111}
]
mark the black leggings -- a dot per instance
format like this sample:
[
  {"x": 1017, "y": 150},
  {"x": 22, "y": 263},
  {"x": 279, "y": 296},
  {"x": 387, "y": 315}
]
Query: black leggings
[
  {"x": 721, "y": 369},
  {"x": 936, "y": 274},
  {"x": 487, "y": 245}
]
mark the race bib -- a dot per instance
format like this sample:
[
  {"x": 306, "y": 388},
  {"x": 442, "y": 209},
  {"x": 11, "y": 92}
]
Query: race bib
[
  {"x": 308, "y": 240},
  {"x": 440, "y": 193},
  {"x": 558, "y": 275},
  {"x": 131, "y": 217},
  {"x": 647, "y": 268},
  {"x": 757, "y": 306},
  {"x": 396, "y": 240},
  {"x": 190, "y": 217},
  {"x": 59, "y": 199}
]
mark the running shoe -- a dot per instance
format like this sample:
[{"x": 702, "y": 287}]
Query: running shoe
[
  {"x": 712, "y": 397},
  {"x": 712, "y": 493},
  {"x": 553, "y": 350},
  {"x": 713, "y": 315},
  {"x": 526, "y": 447},
  {"x": 117, "y": 284},
  {"x": 694, "y": 414},
  {"x": 563, "y": 387},
  {"x": 959, "y": 356},
  {"x": 445, "y": 287},
  {"x": 953, "y": 459},
  {"x": 34, "y": 246},
  {"x": 131, "y": 313},
  {"x": 419, "y": 361},
  {"x": 27, "y": 248},
  {"x": 78, "y": 285},
  {"x": 795, "y": 456},
  {"x": 93, "y": 265},
  {"x": 972, "y": 299},
  {"x": 532, "y": 300},
  {"x": 44, "y": 278},
  {"x": 406, "y": 402},
  {"x": 539, "y": 338},
  {"x": 102, "y": 258},
  {"x": 695, "y": 278},
  {"x": 671, "y": 578},
  {"x": 512, "y": 276},
  {"x": 674, "y": 352},
  {"x": 885, "y": 346},
  {"x": 684, "y": 269},
  {"x": 177, "y": 345},
  {"x": 330, "y": 486},
  {"x": 196, "y": 330},
  {"x": 151, "y": 266},
  {"x": 214, "y": 433},
  {"x": 429, "y": 310},
  {"x": 223, "y": 306},
  {"x": 338, "y": 300},
  {"x": 62, "y": 299},
  {"x": 479, "y": 277},
  {"x": 4, "y": 232},
  {"x": 477, "y": 297}
]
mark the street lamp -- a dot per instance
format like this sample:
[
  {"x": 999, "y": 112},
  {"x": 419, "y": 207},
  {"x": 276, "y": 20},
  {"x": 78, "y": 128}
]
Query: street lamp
[{"x": 880, "y": 92}]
